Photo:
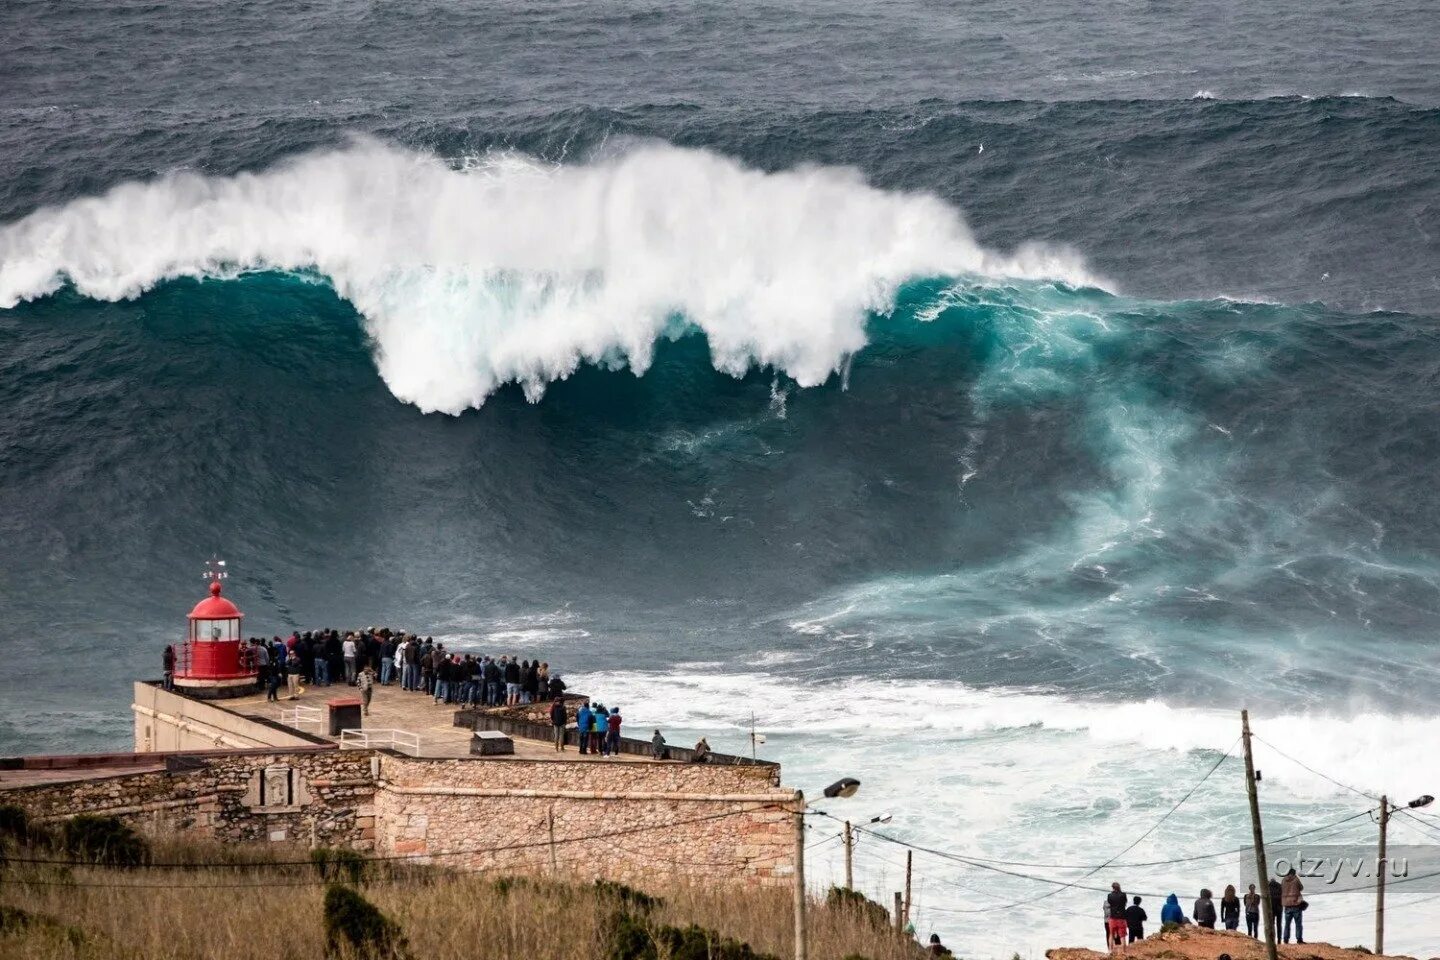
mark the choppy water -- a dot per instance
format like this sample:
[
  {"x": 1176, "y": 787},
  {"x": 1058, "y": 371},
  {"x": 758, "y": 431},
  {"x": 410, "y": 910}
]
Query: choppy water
[{"x": 991, "y": 400}]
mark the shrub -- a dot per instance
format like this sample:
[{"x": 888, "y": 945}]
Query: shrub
[
  {"x": 354, "y": 925},
  {"x": 14, "y": 824},
  {"x": 633, "y": 939},
  {"x": 14, "y": 921},
  {"x": 845, "y": 899},
  {"x": 627, "y": 895},
  {"x": 105, "y": 840},
  {"x": 337, "y": 863}
]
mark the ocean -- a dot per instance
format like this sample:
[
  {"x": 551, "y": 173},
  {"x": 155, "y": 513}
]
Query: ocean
[{"x": 986, "y": 402}]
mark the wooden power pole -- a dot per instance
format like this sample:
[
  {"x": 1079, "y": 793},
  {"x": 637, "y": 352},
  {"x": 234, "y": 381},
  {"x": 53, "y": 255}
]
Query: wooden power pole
[
  {"x": 1261, "y": 868},
  {"x": 909, "y": 862},
  {"x": 800, "y": 952},
  {"x": 1381, "y": 866},
  {"x": 899, "y": 910},
  {"x": 849, "y": 858}
]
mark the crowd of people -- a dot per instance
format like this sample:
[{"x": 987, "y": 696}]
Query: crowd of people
[
  {"x": 1125, "y": 917},
  {"x": 383, "y": 657}
]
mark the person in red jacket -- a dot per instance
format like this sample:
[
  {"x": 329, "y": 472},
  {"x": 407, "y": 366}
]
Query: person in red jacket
[{"x": 613, "y": 732}]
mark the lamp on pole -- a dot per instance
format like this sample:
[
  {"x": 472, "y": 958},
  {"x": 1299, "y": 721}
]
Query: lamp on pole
[
  {"x": 1382, "y": 867},
  {"x": 839, "y": 790}
]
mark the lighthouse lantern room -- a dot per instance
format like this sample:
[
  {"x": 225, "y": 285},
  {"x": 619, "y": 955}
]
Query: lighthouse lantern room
[{"x": 214, "y": 661}]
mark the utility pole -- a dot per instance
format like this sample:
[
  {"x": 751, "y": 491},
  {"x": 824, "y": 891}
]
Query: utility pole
[
  {"x": 909, "y": 862},
  {"x": 1383, "y": 867},
  {"x": 899, "y": 909},
  {"x": 554, "y": 866},
  {"x": 800, "y": 952},
  {"x": 1262, "y": 872},
  {"x": 849, "y": 858}
]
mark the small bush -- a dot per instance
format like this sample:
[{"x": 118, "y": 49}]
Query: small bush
[
  {"x": 14, "y": 824},
  {"x": 355, "y": 927},
  {"x": 843, "y": 899},
  {"x": 14, "y": 921},
  {"x": 104, "y": 840},
  {"x": 627, "y": 896},
  {"x": 338, "y": 863},
  {"x": 633, "y": 939}
]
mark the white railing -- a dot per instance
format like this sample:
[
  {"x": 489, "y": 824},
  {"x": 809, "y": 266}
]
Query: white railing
[
  {"x": 296, "y": 716},
  {"x": 402, "y": 740}
]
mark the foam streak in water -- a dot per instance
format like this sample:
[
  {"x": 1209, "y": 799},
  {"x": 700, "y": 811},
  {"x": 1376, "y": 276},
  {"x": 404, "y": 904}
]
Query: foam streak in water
[{"x": 509, "y": 270}]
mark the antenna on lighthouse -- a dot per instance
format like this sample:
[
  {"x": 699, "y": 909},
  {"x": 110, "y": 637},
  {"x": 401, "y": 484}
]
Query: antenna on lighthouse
[{"x": 215, "y": 570}]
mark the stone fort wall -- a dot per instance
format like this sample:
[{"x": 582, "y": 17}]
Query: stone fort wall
[{"x": 641, "y": 823}]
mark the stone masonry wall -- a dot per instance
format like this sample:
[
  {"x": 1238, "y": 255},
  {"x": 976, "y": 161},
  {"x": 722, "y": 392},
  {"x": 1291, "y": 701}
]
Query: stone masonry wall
[
  {"x": 322, "y": 798},
  {"x": 640, "y": 823}
]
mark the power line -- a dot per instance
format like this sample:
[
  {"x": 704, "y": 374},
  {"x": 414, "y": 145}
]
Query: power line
[
  {"x": 1323, "y": 776},
  {"x": 1140, "y": 839}
]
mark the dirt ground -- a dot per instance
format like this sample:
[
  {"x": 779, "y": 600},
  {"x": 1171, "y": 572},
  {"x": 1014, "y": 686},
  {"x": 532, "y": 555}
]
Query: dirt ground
[{"x": 1194, "y": 943}]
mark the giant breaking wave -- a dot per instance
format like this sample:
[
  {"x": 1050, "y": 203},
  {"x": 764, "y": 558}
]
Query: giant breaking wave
[{"x": 505, "y": 269}]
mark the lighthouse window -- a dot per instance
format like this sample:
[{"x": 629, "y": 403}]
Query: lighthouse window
[{"x": 220, "y": 630}]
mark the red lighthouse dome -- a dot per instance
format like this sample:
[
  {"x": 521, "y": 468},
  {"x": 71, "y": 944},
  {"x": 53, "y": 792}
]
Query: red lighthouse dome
[{"x": 214, "y": 662}]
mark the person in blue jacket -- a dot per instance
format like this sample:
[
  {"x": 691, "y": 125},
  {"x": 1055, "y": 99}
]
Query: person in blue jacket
[
  {"x": 602, "y": 730},
  {"x": 582, "y": 726},
  {"x": 1171, "y": 912}
]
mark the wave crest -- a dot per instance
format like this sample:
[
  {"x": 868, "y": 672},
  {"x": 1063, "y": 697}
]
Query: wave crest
[{"x": 506, "y": 269}]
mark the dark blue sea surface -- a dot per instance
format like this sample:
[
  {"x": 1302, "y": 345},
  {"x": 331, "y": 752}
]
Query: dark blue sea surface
[{"x": 1007, "y": 381}]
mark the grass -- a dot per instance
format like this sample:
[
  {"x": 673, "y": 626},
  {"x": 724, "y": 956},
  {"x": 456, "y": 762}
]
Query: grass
[{"x": 232, "y": 907}]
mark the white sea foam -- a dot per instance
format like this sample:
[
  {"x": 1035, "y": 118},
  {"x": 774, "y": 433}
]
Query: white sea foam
[
  {"x": 1041, "y": 778},
  {"x": 511, "y": 270}
]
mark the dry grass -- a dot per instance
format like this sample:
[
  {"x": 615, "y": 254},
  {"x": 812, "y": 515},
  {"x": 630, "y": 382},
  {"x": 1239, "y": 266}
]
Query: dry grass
[{"x": 251, "y": 913}]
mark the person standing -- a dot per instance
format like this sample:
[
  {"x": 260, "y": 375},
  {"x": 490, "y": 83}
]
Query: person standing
[
  {"x": 1252, "y": 912},
  {"x": 347, "y": 650},
  {"x": 657, "y": 746},
  {"x": 512, "y": 681},
  {"x": 1291, "y": 899},
  {"x": 583, "y": 719},
  {"x": 1230, "y": 908},
  {"x": 292, "y": 674},
  {"x": 557, "y": 721},
  {"x": 599, "y": 739},
  {"x": 272, "y": 684},
  {"x": 387, "y": 661},
  {"x": 1135, "y": 918},
  {"x": 365, "y": 681},
  {"x": 1116, "y": 925},
  {"x": 167, "y": 660},
  {"x": 1204, "y": 912},
  {"x": 1277, "y": 911},
  {"x": 614, "y": 732}
]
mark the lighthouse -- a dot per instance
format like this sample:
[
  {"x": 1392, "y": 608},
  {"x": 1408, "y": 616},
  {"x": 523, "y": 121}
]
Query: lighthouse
[{"x": 213, "y": 662}]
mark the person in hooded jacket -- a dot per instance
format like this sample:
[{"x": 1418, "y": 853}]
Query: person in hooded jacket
[
  {"x": 583, "y": 721},
  {"x": 1171, "y": 912},
  {"x": 1204, "y": 912}
]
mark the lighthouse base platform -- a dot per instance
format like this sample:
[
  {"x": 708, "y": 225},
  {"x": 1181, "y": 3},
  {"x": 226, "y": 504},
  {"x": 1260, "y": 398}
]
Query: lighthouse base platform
[{"x": 205, "y": 689}]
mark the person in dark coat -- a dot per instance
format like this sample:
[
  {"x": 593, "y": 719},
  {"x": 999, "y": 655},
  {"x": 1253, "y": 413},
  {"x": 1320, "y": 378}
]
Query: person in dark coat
[
  {"x": 1275, "y": 911},
  {"x": 558, "y": 720}
]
